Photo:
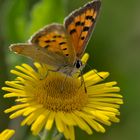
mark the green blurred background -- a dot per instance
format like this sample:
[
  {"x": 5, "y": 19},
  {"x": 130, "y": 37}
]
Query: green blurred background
[{"x": 114, "y": 47}]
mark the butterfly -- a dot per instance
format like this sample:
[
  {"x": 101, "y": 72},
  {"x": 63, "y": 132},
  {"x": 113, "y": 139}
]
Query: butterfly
[{"x": 62, "y": 46}]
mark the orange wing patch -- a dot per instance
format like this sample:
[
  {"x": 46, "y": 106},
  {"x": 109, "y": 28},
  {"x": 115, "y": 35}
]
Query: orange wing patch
[
  {"x": 55, "y": 43},
  {"x": 80, "y": 25}
]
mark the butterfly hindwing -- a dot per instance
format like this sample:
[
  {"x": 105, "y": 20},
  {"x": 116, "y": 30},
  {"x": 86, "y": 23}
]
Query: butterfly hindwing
[
  {"x": 80, "y": 24},
  {"x": 39, "y": 54}
]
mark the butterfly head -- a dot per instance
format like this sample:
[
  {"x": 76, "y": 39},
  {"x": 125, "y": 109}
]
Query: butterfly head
[{"x": 78, "y": 64}]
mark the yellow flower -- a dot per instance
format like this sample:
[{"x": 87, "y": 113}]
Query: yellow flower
[
  {"x": 45, "y": 98},
  {"x": 6, "y": 134}
]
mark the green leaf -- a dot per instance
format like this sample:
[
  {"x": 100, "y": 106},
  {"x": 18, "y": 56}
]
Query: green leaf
[
  {"x": 46, "y": 12},
  {"x": 15, "y": 19}
]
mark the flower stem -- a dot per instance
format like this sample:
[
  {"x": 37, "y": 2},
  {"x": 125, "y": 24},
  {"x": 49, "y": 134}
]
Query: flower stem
[
  {"x": 51, "y": 135},
  {"x": 47, "y": 135}
]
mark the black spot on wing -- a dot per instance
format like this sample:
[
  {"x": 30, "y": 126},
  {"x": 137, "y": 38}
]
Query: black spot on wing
[
  {"x": 82, "y": 38},
  {"x": 47, "y": 41},
  {"x": 61, "y": 43},
  {"x": 46, "y": 46},
  {"x": 72, "y": 31},
  {"x": 82, "y": 23},
  {"x": 78, "y": 23},
  {"x": 93, "y": 20},
  {"x": 90, "y": 18},
  {"x": 64, "y": 49},
  {"x": 57, "y": 36},
  {"x": 86, "y": 28}
]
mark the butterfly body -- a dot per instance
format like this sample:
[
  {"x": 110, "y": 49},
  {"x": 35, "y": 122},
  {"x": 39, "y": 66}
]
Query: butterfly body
[{"x": 62, "y": 46}]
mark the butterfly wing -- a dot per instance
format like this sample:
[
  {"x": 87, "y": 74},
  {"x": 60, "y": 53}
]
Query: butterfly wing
[
  {"x": 49, "y": 46},
  {"x": 39, "y": 54},
  {"x": 80, "y": 24}
]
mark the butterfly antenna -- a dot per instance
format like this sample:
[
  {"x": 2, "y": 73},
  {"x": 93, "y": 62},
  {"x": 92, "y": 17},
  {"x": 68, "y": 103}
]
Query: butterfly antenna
[{"x": 95, "y": 71}]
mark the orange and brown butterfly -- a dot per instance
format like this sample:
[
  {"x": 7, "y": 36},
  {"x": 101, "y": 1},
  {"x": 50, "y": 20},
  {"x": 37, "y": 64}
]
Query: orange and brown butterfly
[{"x": 62, "y": 46}]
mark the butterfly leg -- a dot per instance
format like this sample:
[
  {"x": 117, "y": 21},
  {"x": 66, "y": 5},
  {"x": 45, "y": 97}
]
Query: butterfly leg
[
  {"x": 53, "y": 70},
  {"x": 62, "y": 87},
  {"x": 49, "y": 70},
  {"x": 82, "y": 81},
  {"x": 68, "y": 74}
]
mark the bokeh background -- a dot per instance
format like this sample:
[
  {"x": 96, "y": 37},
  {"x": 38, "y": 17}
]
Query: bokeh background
[{"x": 114, "y": 47}]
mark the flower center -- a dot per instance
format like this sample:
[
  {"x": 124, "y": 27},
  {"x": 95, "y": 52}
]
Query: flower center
[{"x": 58, "y": 92}]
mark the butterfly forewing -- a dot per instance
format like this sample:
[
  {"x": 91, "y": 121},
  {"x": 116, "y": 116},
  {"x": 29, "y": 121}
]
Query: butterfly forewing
[
  {"x": 55, "y": 39},
  {"x": 80, "y": 24},
  {"x": 50, "y": 45}
]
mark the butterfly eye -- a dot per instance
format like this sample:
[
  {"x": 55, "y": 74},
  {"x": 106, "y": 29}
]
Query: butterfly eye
[{"x": 78, "y": 64}]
